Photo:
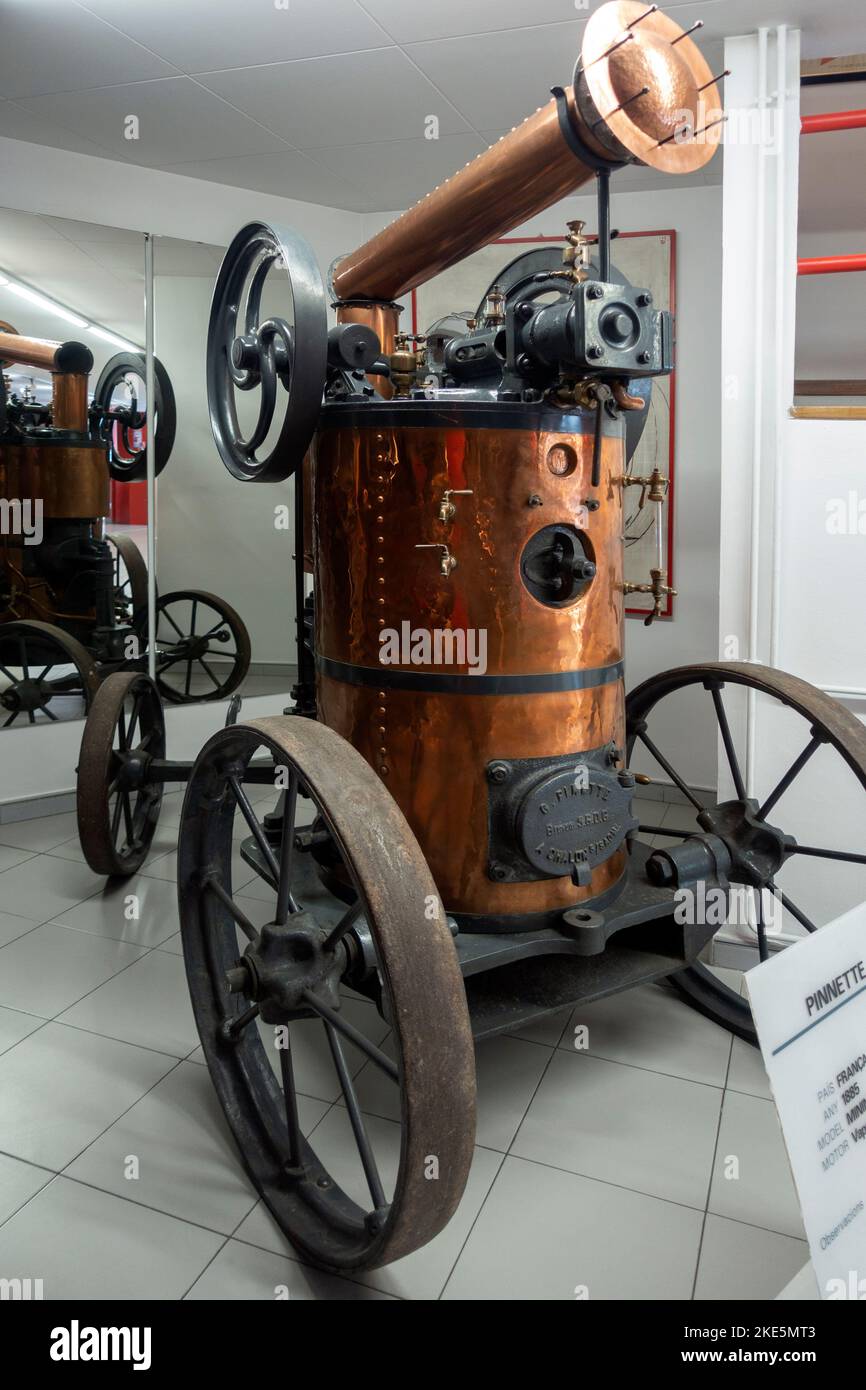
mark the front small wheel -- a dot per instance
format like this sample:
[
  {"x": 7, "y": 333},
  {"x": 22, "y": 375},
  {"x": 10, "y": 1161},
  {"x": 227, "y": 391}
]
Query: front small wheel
[
  {"x": 118, "y": 808},
  {"x": 391, "y": 943},
  {"x": 202, "y": 646}
]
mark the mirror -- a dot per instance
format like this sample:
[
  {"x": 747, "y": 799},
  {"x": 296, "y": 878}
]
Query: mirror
[
  {"x": 73, "y": 500},
  {"x": 224, "y": 609}
]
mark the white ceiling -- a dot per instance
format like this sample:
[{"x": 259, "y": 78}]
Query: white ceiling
[{"x": 322, "y": 100}]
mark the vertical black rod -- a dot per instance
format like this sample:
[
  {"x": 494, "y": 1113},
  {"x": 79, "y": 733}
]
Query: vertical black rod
[{"x": 603, "y": 191}]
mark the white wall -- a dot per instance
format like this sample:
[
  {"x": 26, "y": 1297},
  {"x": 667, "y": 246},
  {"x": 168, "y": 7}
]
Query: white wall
[{"x": 695, "y": 213}]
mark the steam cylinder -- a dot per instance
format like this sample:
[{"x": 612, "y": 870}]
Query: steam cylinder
[{"x": 553, "y": 683}]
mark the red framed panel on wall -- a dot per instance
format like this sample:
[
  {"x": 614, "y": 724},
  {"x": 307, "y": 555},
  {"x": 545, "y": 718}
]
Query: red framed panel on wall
[{"x": 647, "y": 259}]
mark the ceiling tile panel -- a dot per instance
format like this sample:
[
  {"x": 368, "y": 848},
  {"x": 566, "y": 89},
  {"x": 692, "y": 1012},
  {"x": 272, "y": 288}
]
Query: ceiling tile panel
[
  {"x": 56, "y": 46},
  {"x": 352, "y": 99},
  {"x": 499, "y": 79},
  {"x": 289, "y": 175},
  {"x": 178, "y": 120},
  {"x": 202, "y": 35},
  {"x": 397, "y": 174},
  {"x": 412, "y": 23}
]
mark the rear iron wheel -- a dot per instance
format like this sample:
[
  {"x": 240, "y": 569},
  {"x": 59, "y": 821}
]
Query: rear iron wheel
[
  {"x": 769, "y": 827},
  {"x": 407, "y": 1102}
]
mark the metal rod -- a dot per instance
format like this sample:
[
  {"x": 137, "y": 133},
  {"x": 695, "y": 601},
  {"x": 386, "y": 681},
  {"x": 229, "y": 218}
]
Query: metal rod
[
  {"x": 682, "y": 130},
  {"x": 724, "y": 729},
  {"x": 608, "y": 51},
  {"x": 698, "y": 24},
  {"x": 674, "y": 776},
  {"x": 830, "y": 265},
  {"x": 293, "y": 1124},
  {"x": 720, "y": 120},
  {"x": 249, "y": 816},
  {"x": 231, "y": 906},
  {"x": 285, "y": 901},
  {"x": 623, "y": 104},
  {"x": 603, "y": 198},
  {"x": 726, "y": 73},
  {"x": 839, "y": 854},
  {"x": 641, "y": 17}
]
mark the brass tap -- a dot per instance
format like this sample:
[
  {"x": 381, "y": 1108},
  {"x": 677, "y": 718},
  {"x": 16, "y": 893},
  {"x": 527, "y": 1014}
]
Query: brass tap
[
  {"x": 659, "y": 590},
  {"x": 447, "y": 509}
]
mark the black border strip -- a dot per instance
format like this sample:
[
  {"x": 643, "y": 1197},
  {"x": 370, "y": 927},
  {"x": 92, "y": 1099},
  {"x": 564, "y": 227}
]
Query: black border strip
[{"x": 442, "y": 683}]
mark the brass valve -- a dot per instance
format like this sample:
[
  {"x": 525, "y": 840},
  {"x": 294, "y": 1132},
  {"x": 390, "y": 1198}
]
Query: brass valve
[
  {"x": 576, "y": 256},
  {"x": 659, "y": 590},
  {"x": 653, "y": 489},
  {"x": 406, "y": 362},
  {"x": 447, "y": 509},
  {"x": 447, "y": 561}
]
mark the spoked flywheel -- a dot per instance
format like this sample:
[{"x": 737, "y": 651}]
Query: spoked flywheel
[
  {"x": 297, "y": 971},
  {"x": 202, "y": 646},
  {"x": 118, "y": 806},
  {"x": 248, "y": 350},
  {"x": 118, "y": 414},
  {"x": 768, "y": 834},
  {"x": 44, "y": 674}
]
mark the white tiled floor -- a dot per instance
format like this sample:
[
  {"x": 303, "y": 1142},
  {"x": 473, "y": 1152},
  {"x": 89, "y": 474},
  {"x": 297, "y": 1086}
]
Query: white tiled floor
[{"x": 649, "y": 1165}]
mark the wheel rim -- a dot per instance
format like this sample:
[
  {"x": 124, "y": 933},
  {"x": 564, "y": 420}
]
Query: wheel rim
[
  {"x": 291, "y": 971},
  {"x": 35, "y": 662},
  {"x": 202, "y": 647},
  {"x": 764, "y": 830},
  {"x": 118, "y": 808}
]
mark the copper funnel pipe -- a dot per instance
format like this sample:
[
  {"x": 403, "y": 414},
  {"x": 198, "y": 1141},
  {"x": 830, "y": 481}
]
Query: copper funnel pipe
[
  {"x": 638, "y": 79},
  {"x": 522, "y": 174},
  {"x": 43, "y": 352}
]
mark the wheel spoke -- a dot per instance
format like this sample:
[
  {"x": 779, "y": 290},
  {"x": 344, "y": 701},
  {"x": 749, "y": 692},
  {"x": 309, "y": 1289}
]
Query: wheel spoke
[
  {"x": 249, "y": 816},
  {"x": 725, "y": 731},
  {"x": 285, "y": 901},
  {"x": 231, "y": 907},
  {"x": 346, "y": 922},
  {"x": 792, "y": 908},
  {"x": 349, "y": 1031},
  {"x": 760, "y": 925},
  {"x": 166, "y": 614},
  {"x": 293, "y": 1124},
  {"x": 359, "y": 1129},
  {"x": 127, "y": 819},
  {"x": 188, "y": 681},
  {"x": 203, "y": 663},
  {"x": 793, "y": 771},
  {"x": 841, "y": 854},
  {"x": 239, "y": 1023},
  {"x": 115, "y": 819},
  {"x": 674, "y": 775}
]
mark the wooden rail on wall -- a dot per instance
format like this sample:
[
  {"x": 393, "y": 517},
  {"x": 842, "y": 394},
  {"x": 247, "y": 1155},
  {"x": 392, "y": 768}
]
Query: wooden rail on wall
[{"x": 828, "y": 412}]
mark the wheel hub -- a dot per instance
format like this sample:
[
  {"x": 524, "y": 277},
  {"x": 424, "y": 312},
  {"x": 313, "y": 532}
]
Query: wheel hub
[
  {"x": 26, "y": 697},
  {"x": 758, "y": 850},
  {"x": 286, "y": 963}
]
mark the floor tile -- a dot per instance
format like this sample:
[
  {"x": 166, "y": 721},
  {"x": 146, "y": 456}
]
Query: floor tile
[
  {"x": 187, "y": 1161},
  {"x": 139, "y": 909},
  {"x": 60, "y": 1088},
  {"x": 13, "y": 1027},
  {"x": 741, "y": 1262},
  {"x": 639, "y": 1129},
  {"x": 40, "y": 834},
  {"x": 44, "y": 887},
  {"x": 12, "y": 927},
  {"x": 507, "y": 1071},
  {"x": 19, "y": 1181},
  {"x": 173, "y": 944},
  {"x": 543, "y": 1234},
  {"x": 421, "y": 1275},
  {"x": 762, "y": 1193},
  {"x": 244, "y": 1273},
  {"x": 10, "y": 857},
  {"x": 653, "y": 1027},
  {"x": 110, "y": 1249},
  {"x": 747, "y": 1072},
  {"x": 148, "y": 1005},
  {"x": 53, "y": 966}
]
